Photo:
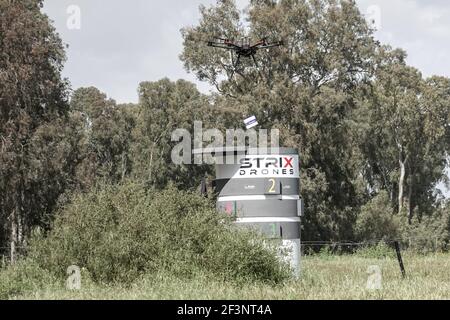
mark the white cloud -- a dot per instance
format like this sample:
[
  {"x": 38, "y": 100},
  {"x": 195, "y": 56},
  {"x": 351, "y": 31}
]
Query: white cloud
[
  {"x": 121, "y": 43},
  {"x": 419, "y": 27}
]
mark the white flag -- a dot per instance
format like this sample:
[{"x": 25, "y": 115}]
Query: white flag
[{"x": 250, "y": 122}]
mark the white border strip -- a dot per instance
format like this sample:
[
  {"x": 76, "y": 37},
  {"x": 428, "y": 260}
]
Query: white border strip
[
  {"x": 257, "y": 197},
  {"x": 268, "y": 219}
]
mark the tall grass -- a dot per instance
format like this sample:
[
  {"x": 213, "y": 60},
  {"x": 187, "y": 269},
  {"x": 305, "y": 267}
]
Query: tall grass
[
  {"x": 133, "y": 243},
  {"x": 332, "y": 277}
]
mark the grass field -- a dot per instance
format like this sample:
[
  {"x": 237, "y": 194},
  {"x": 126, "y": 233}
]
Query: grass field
[{"x": 323, "y": 277}]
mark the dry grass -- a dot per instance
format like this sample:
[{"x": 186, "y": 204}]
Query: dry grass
[{"x": 323, "y": 277}]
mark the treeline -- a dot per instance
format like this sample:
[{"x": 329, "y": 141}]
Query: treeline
[{"x": 373, "y": 134}]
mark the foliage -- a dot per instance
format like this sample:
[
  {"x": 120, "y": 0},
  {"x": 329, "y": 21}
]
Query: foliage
[
  {"x": 106, "y": 138},
  {"x": 376, "y": 222},
  {"x": 307, "y": 91},
  {"x": 373, "y": 134},
  {"x": 23, "y": 277},
  {"x": 35, "y": 158},
  {"x": 406, "y": 142},
  {"x": 379, "y": 251},
  {"x": 164, "y": 107},
  {"x": 430, "y": 234},
  {"x": 362, "y": 119},
  {"x": 119, "y": 233}
]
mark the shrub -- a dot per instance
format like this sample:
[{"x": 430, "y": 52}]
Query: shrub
[
  {"x": 378, "y": 251},
  {"x": 430, "y": 234},
  {"x": 119, "y": 233},
  {"x": 376, "y": 221},
  {"x": 25, "y": 275}
]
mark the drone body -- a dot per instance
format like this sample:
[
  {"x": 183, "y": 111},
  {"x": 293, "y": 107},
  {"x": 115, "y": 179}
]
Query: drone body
[{"x": 244, "y": 48}]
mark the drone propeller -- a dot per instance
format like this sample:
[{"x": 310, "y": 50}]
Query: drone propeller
[
  {"x": 224, "y": 44},
  {"x": 204, "y": 39},
  {"x": 262, "y": 41},
  {"x": 222, "y": 39},
  {"x": 271, "y": 45}
]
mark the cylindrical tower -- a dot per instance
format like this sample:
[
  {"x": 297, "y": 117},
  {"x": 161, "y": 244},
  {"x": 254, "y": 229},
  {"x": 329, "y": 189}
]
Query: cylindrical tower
[{"x": 260, "y": 187}]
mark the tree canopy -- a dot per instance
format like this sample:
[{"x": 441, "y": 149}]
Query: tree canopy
[{"x": 372, "y": 132}]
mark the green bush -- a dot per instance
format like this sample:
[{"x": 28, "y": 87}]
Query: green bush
[
  {"x": 430, "y": 233},
  {"x": 376, "y": 221},
  {"x": 24, "y": 276},
  {"x": 378, "y": 251},
  {"x": 119, "y": 233}
]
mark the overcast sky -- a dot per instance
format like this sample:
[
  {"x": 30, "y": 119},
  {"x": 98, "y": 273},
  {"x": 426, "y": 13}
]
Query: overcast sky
[{"x": 121, "y": 43}]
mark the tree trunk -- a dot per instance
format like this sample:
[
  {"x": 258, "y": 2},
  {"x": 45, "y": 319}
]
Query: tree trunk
[
  {"x": 149, "y": 178},
  {"x": 124, "y": 166},
  {"x": 16, "y": 232},
  {"x": 392, "y": 196},
  {"x": 410, "y": 200},
  {"x": 401, "y": 182},
  {"x": 19, "y": 231},
  {"x": 13, "y": 237}
]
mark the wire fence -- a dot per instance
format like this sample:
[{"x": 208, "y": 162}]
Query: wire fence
[
  {"x": 433, "y": 244},
  {"x": 420, "y": 244},
  {"x": 406, "y": 241}
]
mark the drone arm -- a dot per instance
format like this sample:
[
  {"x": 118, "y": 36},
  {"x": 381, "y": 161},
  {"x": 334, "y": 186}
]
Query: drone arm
[
  {"x": 270, "y": 45},
  {"x": 221, "y": 45}
]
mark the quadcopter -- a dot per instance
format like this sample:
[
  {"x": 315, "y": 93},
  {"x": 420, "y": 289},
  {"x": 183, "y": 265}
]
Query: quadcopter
[{"x": 243, "y": 48}]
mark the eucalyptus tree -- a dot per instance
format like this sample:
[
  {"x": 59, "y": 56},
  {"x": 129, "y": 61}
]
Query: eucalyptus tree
[
  {"x": 307, "y": 89},
  {"x": 106, "y": 137},
  {"x": 165, "y": 106},
  {"x": 407, "y": 143},
  {"x": 35, "y": 157}
]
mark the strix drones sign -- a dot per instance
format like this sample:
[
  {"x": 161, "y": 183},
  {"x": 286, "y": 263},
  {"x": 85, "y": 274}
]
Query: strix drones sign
[{"x": 274, "y": 166}]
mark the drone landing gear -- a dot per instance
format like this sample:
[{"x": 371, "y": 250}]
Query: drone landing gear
[
  {"x": 256, "y": 65},
  {"x": 238, "y": 60},
  {"x": 235, "y": 66}
]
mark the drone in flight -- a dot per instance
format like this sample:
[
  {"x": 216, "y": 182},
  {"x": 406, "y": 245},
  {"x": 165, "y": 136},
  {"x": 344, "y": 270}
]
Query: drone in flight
[{"x": 243, "y": 48}]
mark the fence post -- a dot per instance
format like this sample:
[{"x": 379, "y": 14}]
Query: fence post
[{"x": 399, "y": 257}]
